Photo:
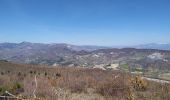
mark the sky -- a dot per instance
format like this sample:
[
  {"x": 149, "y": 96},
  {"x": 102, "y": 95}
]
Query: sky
[{"x": 85, "y": 22}]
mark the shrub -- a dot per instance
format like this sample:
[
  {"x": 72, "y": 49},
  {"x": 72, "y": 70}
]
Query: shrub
[
  {"x": 45, "y": 73},
  {"x": 8, "y": 71},
  {"x": 58, "y": 75},
  {"x": 17, "y": 86},
  {"x": 25, "y": 75},
  {"x": 111, "y": 89},
  {"x": 31, "y": 72},
  {"x": 2, "y": 73},
  {"x": 138, "y": 83},
  {"x": 19, "y": 73},
  {"x": 34, "y": 72},
  {"x": 3, "y": 89}
]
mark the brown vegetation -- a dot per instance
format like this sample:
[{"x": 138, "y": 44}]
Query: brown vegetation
[{"x": 78, "y": 84}]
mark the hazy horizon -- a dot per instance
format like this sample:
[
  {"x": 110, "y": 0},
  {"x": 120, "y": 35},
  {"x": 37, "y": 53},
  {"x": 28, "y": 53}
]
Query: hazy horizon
[{"x": 114, "y": 46}]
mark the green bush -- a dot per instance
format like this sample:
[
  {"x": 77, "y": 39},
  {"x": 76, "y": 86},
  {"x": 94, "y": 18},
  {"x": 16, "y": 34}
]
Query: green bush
[
  {"x": 45, "y": 73},
  {"x": 17, "y": 86},
  {"x": 10, "y": 87},
  {"x": 3, "y": 89},
  {"x": 31, "y": 72},
  {"x": 2, "y": 73}
]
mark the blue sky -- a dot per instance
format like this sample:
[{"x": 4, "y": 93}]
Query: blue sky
[{"x": 85, "y": 22}]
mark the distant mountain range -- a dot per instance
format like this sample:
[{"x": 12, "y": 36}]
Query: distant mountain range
[
  {"x": 39, "y": 53},
  {"x": 143, "y": 46},
  {"x": 89, "y": 47},
  {"x": 154, "y": 46},
  {"x": 85, "y": 56},
  {"x": 69, "y": 46}
]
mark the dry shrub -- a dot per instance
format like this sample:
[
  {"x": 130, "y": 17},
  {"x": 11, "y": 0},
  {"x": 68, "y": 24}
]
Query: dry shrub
[
  {"x": 138, "y": 83},
  {"x": 114, "y": 88},
  {"x": 44, "y": 88},
  {"x": 76, "y": 82},
  {"x": 103, "y": 82},
  {"x": 4, "y": 80},
  {"x": 156, "y": 90}
]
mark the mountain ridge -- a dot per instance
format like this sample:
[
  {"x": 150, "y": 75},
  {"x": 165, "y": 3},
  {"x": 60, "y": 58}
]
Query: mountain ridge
[
  {"x": 71, "y": 55},
  {"x": 160, "y": 46}
]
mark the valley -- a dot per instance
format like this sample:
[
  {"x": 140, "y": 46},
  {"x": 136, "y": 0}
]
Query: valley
[
  {"x": 69, "y": 74},
  {"x": 148, "y": 62}
]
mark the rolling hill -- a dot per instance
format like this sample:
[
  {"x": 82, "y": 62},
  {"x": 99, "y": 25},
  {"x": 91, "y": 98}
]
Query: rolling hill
[{"x": 70, "y": 55}]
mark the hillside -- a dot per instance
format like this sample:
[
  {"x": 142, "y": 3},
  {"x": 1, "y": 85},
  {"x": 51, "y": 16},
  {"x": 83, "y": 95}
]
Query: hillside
[
  {"x": 147, "y": 62},
  {"x": 76, "y": 84},
  {"x": 66, "y": 55}
]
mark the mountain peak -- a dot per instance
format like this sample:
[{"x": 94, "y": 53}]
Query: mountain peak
[{"x": 25, "y": 42}]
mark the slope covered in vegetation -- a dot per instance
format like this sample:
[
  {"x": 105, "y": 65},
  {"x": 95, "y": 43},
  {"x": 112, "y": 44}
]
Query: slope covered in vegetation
[{"x": 77, "y": 84}]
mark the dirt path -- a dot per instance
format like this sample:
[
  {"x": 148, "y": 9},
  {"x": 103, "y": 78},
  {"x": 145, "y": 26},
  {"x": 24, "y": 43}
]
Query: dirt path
[{"x": 156, "y": 80}]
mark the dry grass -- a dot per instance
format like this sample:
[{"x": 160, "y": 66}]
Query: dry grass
[{"x": 79, "y": 84}]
